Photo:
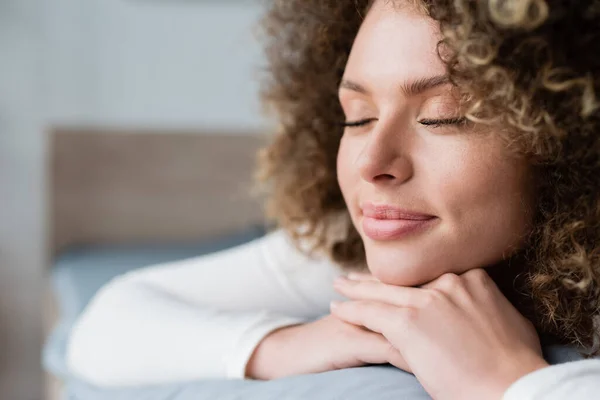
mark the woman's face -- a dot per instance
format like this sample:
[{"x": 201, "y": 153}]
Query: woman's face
[{"x": 427, "y": 194}]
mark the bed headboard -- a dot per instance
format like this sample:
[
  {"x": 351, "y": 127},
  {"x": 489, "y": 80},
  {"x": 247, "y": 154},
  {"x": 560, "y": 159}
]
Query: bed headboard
[{"x": 115, "y": 187}]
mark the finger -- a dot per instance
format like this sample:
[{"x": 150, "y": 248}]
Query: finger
[
  {"x": 399, "y": 296},
  {"x": 373, "y": 348},
  {"x": 484, "y": 289},
  {"x": 361, "y": 276},
  {"x": 453, "y": 288},
  {"x": 479, "y": 280},
  {"x": 386, "y": 319},
  {"x": 447, "y": 283}
]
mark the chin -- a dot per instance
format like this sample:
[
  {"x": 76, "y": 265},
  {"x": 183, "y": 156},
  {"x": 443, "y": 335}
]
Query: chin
[{"x": 401, "y": 269}]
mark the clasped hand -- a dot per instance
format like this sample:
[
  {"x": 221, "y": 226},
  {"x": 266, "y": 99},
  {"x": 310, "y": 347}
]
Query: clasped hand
[{"x": 458, "y": 334}]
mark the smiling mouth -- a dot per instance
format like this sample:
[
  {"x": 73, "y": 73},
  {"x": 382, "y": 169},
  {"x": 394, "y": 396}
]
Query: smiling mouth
[{"x": 383, "y": 222}]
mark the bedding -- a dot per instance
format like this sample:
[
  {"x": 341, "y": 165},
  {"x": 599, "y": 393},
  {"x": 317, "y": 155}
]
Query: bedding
[
  {"x": 377, "y": 382},
  {"x": 373, "y": 382}
]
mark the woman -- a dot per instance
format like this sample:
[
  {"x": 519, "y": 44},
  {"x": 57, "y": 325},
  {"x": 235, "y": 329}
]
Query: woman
[{"x": 432, "y": 144}]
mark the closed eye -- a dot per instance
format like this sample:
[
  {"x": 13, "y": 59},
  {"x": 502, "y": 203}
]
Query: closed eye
[
  {"x": 362, "y": 122},
  {"x": 427, "y": 122},
  {"x": 439, "y": 122}
]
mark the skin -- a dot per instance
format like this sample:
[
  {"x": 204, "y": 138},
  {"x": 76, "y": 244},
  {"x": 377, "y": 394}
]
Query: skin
[
  {"x": 458, "y": 334},
  {"x": 461, "y": 174}
]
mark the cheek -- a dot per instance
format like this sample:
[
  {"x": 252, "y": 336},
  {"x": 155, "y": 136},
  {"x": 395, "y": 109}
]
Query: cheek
[
  {"x": 486, "y": 195},
  {"x": 346, "y": 173}
]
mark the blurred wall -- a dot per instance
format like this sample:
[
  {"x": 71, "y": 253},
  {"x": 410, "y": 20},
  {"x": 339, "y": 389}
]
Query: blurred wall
[
  {"x": 22, "y": 199},
  {"x": 171, "y": 63}
]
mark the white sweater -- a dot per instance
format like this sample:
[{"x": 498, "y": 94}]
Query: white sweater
[{"x": 203, "y": 317}]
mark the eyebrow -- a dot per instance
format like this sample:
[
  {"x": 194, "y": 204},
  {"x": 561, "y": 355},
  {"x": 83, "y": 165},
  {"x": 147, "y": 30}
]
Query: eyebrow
[{"x": 409, "y": 89}]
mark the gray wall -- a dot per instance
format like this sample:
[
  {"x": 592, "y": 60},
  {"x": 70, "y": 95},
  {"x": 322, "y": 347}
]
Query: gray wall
[
  {"x": 22, "y": 198},
  {"x": 153, "y": 63}
]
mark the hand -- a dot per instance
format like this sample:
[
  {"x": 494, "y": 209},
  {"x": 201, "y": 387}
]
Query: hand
[
  {"x": 459, "y": 334},
  {"x": 323, "y": 345}
]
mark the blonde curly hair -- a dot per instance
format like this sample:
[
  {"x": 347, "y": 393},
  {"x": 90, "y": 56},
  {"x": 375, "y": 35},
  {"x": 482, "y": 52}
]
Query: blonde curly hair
[{"x": 530, "y": 69}]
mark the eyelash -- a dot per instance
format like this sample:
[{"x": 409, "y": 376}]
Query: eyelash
[
  {"x": 427, "y": 122},
  {"x": 439, "y": 122},
  {"x": 356, "y": 124}
]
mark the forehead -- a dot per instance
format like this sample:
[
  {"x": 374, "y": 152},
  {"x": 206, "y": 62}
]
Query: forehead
[{"x": 396, "y": 42}]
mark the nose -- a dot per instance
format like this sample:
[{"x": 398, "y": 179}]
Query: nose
[{"x": 385, "y": 158}]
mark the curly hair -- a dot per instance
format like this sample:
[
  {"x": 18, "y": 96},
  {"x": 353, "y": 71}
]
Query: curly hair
[{"x": 529, "y": 68}]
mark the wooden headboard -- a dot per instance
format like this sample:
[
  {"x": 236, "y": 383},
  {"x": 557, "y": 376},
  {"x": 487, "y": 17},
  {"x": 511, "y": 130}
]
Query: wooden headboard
[{"x": 114, "y": 187}]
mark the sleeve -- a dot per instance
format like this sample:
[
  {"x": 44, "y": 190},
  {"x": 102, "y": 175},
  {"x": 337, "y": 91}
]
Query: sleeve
[
  {"x": 577, "y": 380},
  {"x": 199, "y": 318}
]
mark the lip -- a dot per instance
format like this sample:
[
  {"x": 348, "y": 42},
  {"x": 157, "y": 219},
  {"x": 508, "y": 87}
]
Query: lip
[
  {"x": 384, "y": 222},
  {"x": 387, "y": 212}
]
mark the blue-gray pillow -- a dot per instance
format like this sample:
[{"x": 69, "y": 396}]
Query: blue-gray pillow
[{"x": 374, "y": 382}]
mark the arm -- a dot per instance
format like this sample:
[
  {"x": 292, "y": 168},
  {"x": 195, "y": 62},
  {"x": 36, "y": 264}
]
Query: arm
[
  {"x": 577, "y": 380},
  {"x": 199, "y": 318}
]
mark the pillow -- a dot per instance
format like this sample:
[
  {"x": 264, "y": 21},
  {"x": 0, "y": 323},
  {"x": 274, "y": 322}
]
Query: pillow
[{"x": 372, "y": 382}]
